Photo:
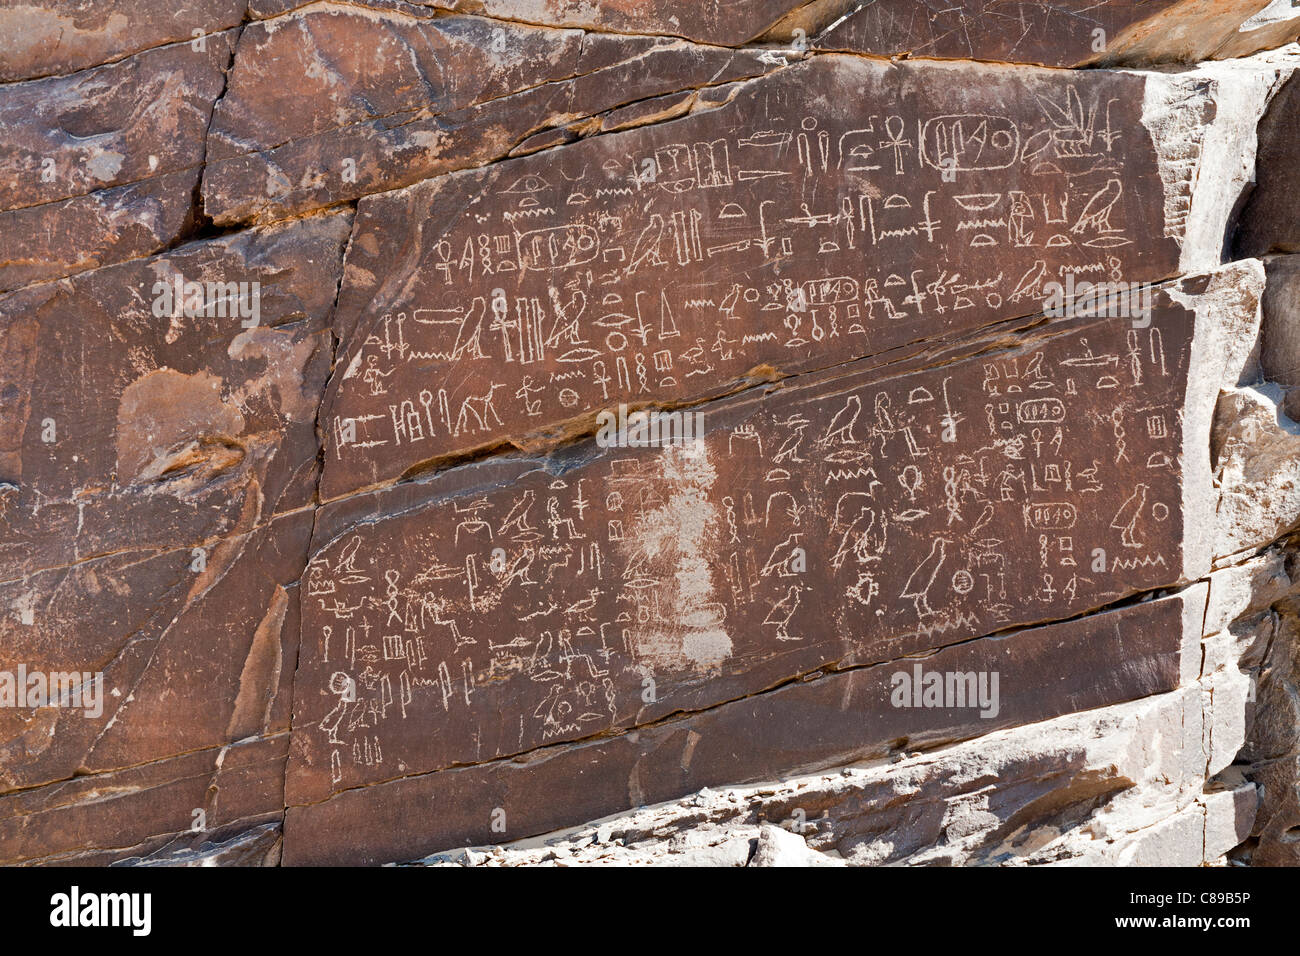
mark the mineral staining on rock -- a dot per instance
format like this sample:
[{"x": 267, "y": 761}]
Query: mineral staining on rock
[
  {"x": 147, "y": 427},
  {"x": 40, "y": 39}
]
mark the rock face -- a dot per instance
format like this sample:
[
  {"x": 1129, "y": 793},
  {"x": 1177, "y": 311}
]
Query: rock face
[
  {"x": 41, "y": 39},
  {"x": 665, "y": 265},
  {"x": 399, "y": 97},
  {"x": 1270, "y": 222},
  {"x": 791, "y": 434},
  {"x": 1060, "y": 32},
  {"x": 759, "y": 550}
]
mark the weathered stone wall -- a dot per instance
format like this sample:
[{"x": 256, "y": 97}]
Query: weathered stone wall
[{"x": 330, "y": 338}]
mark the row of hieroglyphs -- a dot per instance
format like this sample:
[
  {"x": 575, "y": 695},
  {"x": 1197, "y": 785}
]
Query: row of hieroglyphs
[
  {"x": 831, "y": 211},
  {"x": 855, "y": 519}
]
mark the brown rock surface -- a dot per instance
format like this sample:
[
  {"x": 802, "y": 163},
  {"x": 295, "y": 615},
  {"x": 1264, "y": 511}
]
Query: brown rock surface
[
  {"x": 1271, "y": 222},
  {"x": 123, "y": 426},
  {"x": 137, "y": 119},
  {"x": 1280, "y": 334},
  {"x": 146, "y": 809},
  {"x": 159, "y": 469},
  {"x": 42, "y": 37},
  {"x": 349, "y": 64},
  {"x": 397, "y": 98},
  {"x": 838, "y": 717},
  {"x": 672, "y": 263},
  {"x": 186, "y": 659},
  {"x": 101, "y": 166},
  {"x": 324, "y": 537},
  {"x": 729, "y": 24},
  {"x": 750, "y": 557},
  {"x": 60, "y": 238},
  {"x": 1058, "y": 32}
]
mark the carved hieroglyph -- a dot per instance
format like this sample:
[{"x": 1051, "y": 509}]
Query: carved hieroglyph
[{"x": 924, "y": 471}]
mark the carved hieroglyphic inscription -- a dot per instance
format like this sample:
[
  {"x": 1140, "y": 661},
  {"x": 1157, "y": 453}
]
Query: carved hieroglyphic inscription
[
  {"x": 836, "y": 209},
  {"x": 1088, "y": 662},
  {"x": 850, "y": 520}
]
